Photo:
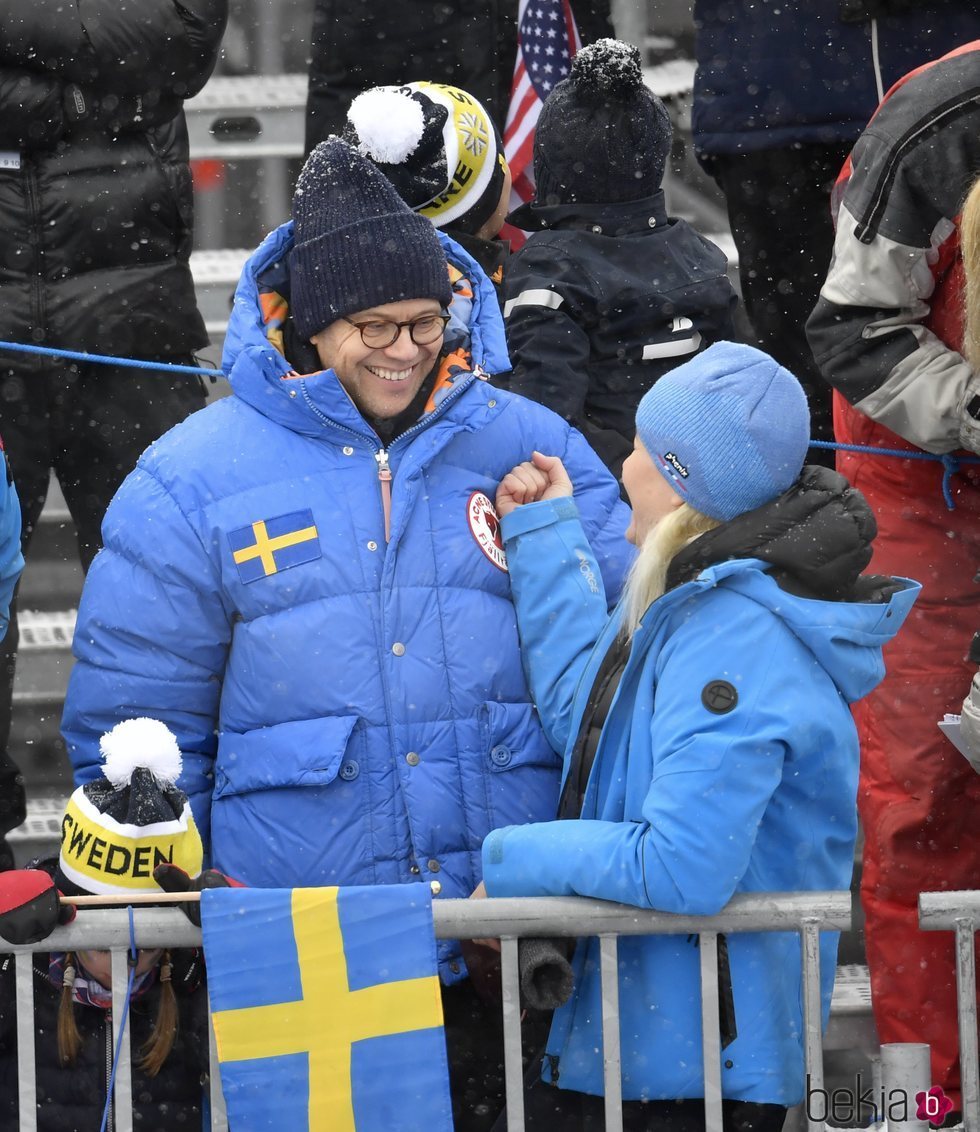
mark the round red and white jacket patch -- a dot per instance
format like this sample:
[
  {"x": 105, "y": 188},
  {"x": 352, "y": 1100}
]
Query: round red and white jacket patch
[{"x": 485, "y": 528}]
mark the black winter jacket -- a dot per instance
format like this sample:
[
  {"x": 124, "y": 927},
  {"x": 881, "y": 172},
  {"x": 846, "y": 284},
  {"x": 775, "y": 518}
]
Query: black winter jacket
[
  {"x": 96, "y": 207},
  {"x": 466, "y": 43},
  {"x": 603, "y": 300},
  {"x": 72, "y": 1099}
]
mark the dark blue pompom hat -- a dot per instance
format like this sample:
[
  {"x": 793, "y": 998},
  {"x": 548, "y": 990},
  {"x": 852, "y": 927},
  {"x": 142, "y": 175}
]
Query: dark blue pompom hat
[{"x": 357, "y": 245}]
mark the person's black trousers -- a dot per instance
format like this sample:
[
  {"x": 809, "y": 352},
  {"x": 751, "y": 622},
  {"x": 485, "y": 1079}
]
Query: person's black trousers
[
  {"x": 89, "y": 423},
  {"x": 779, "y": 210}
]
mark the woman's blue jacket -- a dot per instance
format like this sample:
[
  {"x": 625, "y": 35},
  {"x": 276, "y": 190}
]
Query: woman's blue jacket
[
  {"x": 687, "y": 805},
  {"x": 349, "y": 712}
]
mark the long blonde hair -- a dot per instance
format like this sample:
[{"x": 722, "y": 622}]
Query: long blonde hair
[
  {"x": 970, "y": 251},
  {"x": 648, "y": 578}
]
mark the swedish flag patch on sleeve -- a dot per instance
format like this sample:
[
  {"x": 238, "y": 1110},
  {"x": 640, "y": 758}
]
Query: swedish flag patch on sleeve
[{"x": 269, "y": 546}]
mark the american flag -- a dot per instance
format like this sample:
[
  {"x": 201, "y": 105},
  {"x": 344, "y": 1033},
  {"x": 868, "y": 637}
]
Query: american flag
[{"x": 547, "y": 40}]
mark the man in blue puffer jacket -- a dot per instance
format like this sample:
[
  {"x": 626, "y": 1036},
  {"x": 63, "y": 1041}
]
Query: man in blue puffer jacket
[{"x": 306, "y": 582}]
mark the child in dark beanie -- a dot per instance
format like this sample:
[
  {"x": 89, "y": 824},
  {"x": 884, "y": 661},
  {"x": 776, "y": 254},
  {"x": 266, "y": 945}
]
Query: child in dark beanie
[{"x": 609, "y": 292}]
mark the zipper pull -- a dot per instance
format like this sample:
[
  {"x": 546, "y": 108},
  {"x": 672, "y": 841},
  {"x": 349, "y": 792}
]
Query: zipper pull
[
  {"x": 553, "y": 1066},
  {"x": 384, "y": 476}
]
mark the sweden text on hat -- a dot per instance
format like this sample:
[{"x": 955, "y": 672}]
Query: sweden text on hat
[{"x": 117, "y": 829}]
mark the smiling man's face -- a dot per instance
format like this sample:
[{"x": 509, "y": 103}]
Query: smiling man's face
[{"x": 381, "y": 383}]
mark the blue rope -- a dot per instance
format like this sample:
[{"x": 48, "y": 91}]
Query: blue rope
[
  {"x": 951, "y": 464},
  {"x": 104, "y": 359},
  {"x": 133, "y": 959}
]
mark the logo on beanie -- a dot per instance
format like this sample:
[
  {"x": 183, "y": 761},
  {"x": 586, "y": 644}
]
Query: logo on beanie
[
  {"x": 678, "y": 467},
  {"x": 485, "y": 528},
  {"x": 474, "y": 133}
]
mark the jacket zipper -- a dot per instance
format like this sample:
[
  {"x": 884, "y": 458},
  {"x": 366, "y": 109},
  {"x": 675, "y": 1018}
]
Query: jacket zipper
[
  {"x": 37, "y": 285},
  {"x": 867, "y": 227},
  {"x": 381, "y": 455},
  {"x": 384, "y": 478}
]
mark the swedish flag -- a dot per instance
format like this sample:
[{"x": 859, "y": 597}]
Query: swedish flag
[
  {"x": 269, "y": 546},
  {"x": 326, "y": 1008}
]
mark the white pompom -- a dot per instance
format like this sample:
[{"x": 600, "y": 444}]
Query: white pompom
[
  {"x": 389, "y": 124},
  {"x": 140, "y": 743}
]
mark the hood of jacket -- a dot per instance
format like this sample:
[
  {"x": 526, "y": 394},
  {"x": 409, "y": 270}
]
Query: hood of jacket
[
  {"x": 253, "y": 361},
  {"x": 812, "y": 543}
]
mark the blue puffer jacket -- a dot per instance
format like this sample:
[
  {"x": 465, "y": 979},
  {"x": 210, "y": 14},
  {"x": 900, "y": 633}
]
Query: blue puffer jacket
[
  {"x": 772, "y": 74},
  {"x": 11, "y": 559},
  {"x": 686, "y": 806},
  {"x": 349, "y": 712}
]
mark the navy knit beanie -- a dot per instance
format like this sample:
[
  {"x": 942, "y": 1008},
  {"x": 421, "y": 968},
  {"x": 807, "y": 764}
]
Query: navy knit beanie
[
  {"x": 602, "y": 136},
  {"x": 357, "y": 244},
  {"x": 728, "y": 430}
]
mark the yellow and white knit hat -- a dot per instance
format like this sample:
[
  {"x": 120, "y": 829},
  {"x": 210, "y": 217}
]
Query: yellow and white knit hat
[
  {"x": 437, "y": 145},
  {"x": 117, "y": 829}
]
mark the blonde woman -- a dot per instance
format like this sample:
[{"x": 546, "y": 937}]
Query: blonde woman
[{"x": 706, "y": 731}]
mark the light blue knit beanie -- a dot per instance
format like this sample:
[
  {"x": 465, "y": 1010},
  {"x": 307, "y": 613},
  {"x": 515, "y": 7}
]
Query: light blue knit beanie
[{"x": 728, "y": 430}]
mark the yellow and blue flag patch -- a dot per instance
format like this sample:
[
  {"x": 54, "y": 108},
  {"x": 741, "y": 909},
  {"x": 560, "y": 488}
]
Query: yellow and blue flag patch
[
  {"x": 327, "y": 1010},
  {"x": 268, "y": 546}
]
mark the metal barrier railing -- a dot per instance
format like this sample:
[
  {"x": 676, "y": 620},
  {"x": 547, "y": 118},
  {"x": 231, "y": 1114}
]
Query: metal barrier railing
[
  {"x": 807, "y": 914},
  {"x": 960, "y": 912}
]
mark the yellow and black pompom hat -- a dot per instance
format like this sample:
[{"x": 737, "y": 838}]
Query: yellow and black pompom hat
[
  {"x": 117, "y": 829},
  {"x": 437, "y": 145}
]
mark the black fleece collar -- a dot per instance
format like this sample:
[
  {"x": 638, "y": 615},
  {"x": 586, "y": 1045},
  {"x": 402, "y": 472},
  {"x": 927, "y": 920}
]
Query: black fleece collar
[{"x": 816, "y": 537}]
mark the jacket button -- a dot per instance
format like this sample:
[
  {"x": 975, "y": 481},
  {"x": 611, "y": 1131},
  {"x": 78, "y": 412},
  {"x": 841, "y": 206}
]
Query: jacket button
[
  {"x": 398, "y": 648},
  {"x": 500, "y": 756},
  {"x": 372, "y": 545},
  {"x": 412, "y": 758},
  {"x": 729, "y": 1064},
  {"x": 492, "y": 402},
  {"x": 433, "y": 865},
  {"x": 414, "y": 870},
  {"x": 349, "y": 770},
  {"x": 597, "y": 228},
  {"x": 348, "y": 451},
  {"x": 454, "y": 967},
  {"x": 652, "y": 222}
]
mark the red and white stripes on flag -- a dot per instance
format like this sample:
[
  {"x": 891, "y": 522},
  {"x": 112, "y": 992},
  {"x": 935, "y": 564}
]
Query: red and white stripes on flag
[{"x": 547, "y": 40}]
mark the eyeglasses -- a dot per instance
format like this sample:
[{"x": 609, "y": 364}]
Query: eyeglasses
[{"x": 380, "y": 333}]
